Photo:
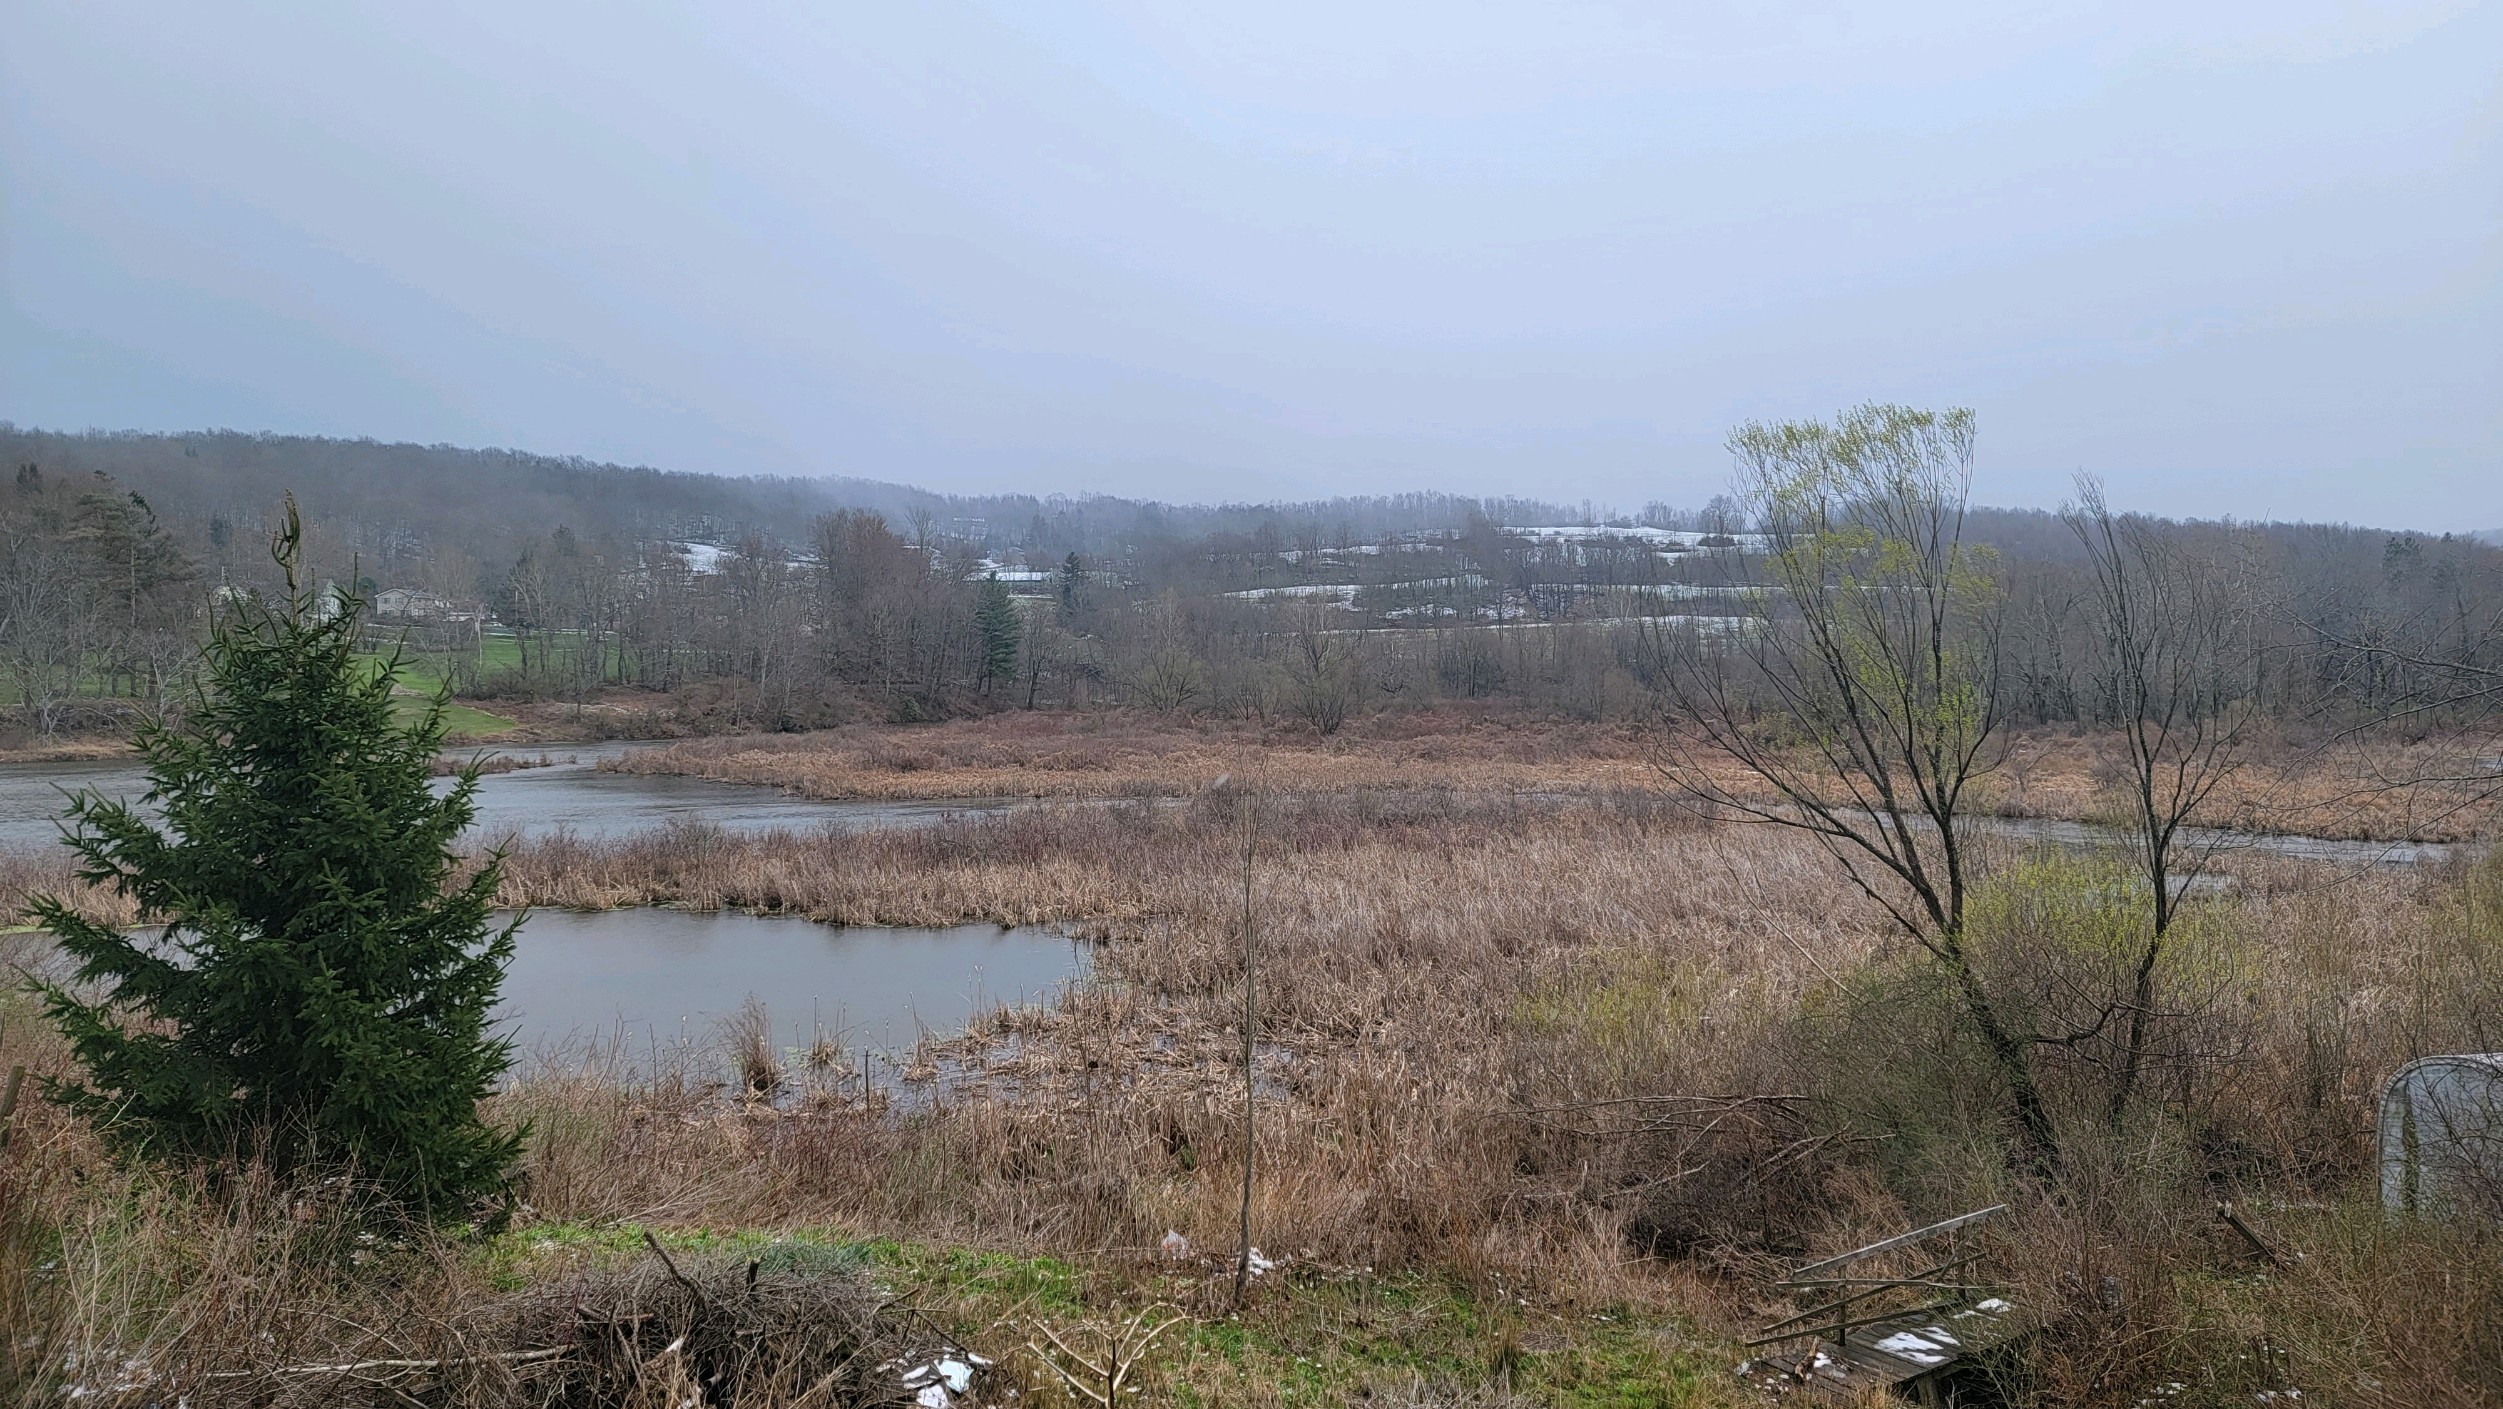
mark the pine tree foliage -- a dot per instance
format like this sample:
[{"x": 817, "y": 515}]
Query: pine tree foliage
[
  {"x": 321, "y": 986},
  {"x": 996, "y": 617}
]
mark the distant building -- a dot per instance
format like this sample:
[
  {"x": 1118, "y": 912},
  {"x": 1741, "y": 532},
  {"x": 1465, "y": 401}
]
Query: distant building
[{"x": 412, "y": 604}]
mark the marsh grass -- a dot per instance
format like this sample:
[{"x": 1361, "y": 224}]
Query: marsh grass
[
  {"x": 2425, "y": 790},
  {"x": 1575, "y": 1053}
]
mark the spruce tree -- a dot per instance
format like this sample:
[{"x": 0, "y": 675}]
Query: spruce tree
[
  {"x": 321, "y": 986},
  {"x": 996, "y": 618}
]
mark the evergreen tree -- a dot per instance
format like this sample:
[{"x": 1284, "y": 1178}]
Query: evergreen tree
[
  {"x": 1072, "y": 588},
  {"x": 318, "y": 990},
  {"x": 996, "y": 617}
]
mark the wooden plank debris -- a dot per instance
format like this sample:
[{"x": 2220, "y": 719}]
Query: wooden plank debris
[
  {"x": 1853, "y": 1345},
  {"x": 1900, "y": 1240},
  {"x": 1905, "y": 1354}
]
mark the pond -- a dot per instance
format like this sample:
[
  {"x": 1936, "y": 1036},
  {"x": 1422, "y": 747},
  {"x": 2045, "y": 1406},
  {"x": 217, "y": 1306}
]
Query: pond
[
  {"x": 634, "y": 980},
  {"x": 570, "y": 794}
]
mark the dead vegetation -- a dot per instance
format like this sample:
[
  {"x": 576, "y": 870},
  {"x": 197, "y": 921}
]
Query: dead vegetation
[
  {"x": 1591, "y": 1048},
  {"x": 245, "y": 1291},
  {"x": 495, "y": 761},
  {"x": 2425, "y": 790}
]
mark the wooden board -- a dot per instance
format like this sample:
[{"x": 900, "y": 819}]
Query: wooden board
[{"x": 1892, "y": 1353}]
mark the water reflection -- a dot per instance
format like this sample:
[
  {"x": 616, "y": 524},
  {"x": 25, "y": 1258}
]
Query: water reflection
[
  {"x": 570, "y": 794},
  {"x": 643, "y": 979}
]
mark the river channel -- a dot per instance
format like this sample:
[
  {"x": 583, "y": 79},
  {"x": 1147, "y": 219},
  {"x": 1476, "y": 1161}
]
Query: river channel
[
  {"x": 632, "y": 981},
  {"x": 569, "y": 794}
]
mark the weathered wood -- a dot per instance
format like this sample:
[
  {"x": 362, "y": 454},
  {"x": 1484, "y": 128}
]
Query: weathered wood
[
  {"x": 2249, "y": 1234},
  {"x": 1852, "y": 1353},
  {"x": 1900, "y": 1240},
  {"x": 1897, "y": 1352},
  {"x": 1915, "y": 1277}
]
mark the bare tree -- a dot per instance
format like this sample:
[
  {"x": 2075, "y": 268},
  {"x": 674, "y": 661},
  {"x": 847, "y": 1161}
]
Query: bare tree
[
  {"x": 1169, "y": 676},
  {"x": 765, "y": 605},
  {"x": 2432, "y": 671},
  {"x": 2169, "y": 666},
  {"x": 1323, "y": 664},
  {"x": 1865, "y": 704}
]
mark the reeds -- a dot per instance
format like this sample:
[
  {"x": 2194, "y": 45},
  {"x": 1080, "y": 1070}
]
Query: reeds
[
  {"x": 1587, "y": 1045},
  {"x": 2331, "y": 788}
]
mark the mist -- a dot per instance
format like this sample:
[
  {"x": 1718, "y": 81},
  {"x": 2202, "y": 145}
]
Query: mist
[{"x": 2237, "y": 259}]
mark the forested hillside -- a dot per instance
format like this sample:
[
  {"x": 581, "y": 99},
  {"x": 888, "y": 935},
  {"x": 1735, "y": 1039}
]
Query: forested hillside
[{"x": 760, "y": 602}]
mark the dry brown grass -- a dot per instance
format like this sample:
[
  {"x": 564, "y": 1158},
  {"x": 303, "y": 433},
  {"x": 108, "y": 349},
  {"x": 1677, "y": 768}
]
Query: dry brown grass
[
  {"x": 64, "y": 750},
  {"x": 1126, "y": 754},
  {"x": 1403, "y": 938},
  {"x": 1486, "y": 1015},
  {"x": 239, "y": 1290},
  {"x": 2327, "y": 790},
  {"x": 2344, "y": 788},
  {"x": 1460, "y": 987}
]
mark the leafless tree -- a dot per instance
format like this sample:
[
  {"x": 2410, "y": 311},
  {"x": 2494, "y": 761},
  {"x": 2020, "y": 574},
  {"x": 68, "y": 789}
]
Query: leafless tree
[
  {"x": 1322, "y": 665},
  {"x": 1169, "y": 675},
  {"x": 2171, "y": 633}
]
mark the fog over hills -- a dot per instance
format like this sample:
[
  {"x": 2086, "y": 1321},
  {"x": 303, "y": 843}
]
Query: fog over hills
[{"x": 490, "y": 500}]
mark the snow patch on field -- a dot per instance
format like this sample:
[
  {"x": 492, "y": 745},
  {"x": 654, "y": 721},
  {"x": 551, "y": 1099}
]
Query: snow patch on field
[{"x": 1342, "y": 593}]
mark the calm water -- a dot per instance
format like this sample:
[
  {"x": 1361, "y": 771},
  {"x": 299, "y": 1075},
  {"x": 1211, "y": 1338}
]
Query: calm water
[
  {"x": 641, "y": 977},
  {"x": 2193, "y": 840},
  {"x": 572, "y": 795}
]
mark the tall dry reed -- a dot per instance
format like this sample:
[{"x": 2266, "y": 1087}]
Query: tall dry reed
[{"x": 1587, "y": 1045}]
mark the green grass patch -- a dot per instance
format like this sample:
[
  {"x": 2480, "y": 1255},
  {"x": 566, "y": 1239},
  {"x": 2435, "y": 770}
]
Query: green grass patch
[
  {"x": 421, "y": 680},
  {"x": 1309, "y": 1337},
  {"x": 459, "y": 719}
]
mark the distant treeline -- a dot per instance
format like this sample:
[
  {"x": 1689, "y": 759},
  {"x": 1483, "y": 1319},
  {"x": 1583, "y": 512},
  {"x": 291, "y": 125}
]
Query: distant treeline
[
  {"x": 396, "y": 505},
  {"x": 776, "y": 602}
]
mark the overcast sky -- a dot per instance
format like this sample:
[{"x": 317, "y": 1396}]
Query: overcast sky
[{"x": 2235, "y": 257}]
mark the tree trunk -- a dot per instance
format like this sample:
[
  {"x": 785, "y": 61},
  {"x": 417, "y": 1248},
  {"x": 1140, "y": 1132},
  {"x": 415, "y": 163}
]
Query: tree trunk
[{"x": 2038, "y": 1142}]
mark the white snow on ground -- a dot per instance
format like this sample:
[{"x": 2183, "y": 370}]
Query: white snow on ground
[
  {"x": 701, "y": 557},
  {"x": 1677, "y": 538},
  {"x": 993, "y": 567},
  {"x": 1343, "y": 593},
  {"x": 1297, "y": 555},
  {"x": 1707, "y": 625},
  {"x": 1919, "y": 1347},
  {"x": 1692, "y": 592}
]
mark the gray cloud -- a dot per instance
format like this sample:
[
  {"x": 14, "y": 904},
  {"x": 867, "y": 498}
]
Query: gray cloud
[{"x": 2245, "y": 260}]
